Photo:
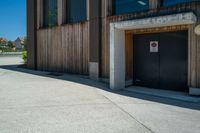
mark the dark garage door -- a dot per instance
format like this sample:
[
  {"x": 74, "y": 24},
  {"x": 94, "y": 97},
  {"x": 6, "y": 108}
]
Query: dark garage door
[{"x": 160, "y": 60}]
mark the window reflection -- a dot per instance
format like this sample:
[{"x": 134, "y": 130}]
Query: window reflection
[{"x": 129, "y": 6}]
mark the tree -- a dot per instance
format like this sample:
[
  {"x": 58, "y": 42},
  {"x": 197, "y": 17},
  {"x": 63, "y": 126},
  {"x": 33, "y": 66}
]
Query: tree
[
  {"x": 3, "y": 43},
  {"x": 10, "y": 44},
  {"x": 25, "y": 44}
]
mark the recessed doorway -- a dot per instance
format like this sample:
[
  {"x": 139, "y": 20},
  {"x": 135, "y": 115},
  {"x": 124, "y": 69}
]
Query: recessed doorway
[{"x": 161, "y": 60}]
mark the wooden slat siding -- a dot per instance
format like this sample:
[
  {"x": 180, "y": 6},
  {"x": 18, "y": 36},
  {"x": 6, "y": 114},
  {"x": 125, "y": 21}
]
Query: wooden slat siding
[
  {"x": 189, "y": 55},
  {"x": 64, "y": 34},
  {"x": 86, "y": 54},
  {"x": 75, "y": 48},
  {"x": 198, "y": 50},
  {"x": 105, "y": 54},
  {"x": 64, "y": 49},
  {"x": 39, "y": 13},
  {"x": 198, "y": 61},
  {"x": 48, "y": 41},
  {"x": 105, "y": 48},
  {"x": 103, "y": 44},
  {"x": 106, "y": 31},
  {"x": 51, "y": 39},
  {"x": 45, "y": 49},
  {"x": 129, "y": 56},
  {"x": 38, "y": 53},
  {"x": 104, "y": 14},
  {"x": 57, "y": 49}
]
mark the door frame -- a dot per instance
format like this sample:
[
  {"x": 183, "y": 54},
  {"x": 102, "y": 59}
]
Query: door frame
[{"x": 117, "y": 41}]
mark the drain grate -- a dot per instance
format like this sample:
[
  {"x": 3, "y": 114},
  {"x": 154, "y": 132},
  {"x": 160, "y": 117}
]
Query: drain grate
[{"x": 55, "y": 74}]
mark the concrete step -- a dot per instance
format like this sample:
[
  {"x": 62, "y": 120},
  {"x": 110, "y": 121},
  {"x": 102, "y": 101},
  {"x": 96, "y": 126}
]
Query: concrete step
[{"x": 164, "y": 93}]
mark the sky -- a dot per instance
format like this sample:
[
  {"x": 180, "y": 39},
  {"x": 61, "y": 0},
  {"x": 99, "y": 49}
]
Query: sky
[{"x": 12, "y": 19}]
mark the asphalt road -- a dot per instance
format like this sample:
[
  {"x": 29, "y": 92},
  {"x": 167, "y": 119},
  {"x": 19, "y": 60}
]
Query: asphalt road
[{"x": 35, "y": 102}]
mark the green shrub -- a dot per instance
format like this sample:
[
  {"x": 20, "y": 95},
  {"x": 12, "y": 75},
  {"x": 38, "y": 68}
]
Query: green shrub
[{"x": 24, "y": 56}]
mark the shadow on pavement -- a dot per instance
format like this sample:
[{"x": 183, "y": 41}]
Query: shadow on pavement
[{"x": 81, "y": 79}]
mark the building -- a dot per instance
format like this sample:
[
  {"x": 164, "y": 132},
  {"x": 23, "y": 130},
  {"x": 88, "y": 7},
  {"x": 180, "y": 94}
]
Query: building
[
  {"x": 149, "y": 43},
  {"x": 19, "y": 43}
]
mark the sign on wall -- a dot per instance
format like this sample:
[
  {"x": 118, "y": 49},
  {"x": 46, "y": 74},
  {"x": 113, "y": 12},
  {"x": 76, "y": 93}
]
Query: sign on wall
[{"x": 154, "y": 48}]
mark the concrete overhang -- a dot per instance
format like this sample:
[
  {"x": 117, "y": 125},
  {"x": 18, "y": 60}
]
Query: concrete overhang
[{"x": 158, "y": 21}]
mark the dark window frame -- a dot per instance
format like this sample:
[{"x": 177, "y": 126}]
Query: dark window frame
[
  {"x": 74, "y": 19},
  {"x": 163, "y": 3},
  {"x": 114, "y": 12},
  {"x": 50, "y": 21}
]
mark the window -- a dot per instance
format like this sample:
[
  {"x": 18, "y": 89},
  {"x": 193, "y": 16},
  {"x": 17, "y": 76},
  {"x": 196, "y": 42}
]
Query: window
[
  {"x": 76, "y": 11},
  {"x": 50, "y": 13},
  {"x": 129, "y": 6},
  {"x": 174, "y": 2}
]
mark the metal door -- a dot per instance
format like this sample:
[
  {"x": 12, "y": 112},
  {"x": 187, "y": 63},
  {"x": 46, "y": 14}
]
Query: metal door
[
  {"x": 174, "y": 60},
  {"x": 146, "y": 64},
  {"x": 165, "y": 67}
]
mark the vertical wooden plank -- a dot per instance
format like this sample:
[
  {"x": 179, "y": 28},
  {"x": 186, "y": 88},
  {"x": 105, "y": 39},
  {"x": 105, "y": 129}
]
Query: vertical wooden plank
[
  {"x": 198, "y": 61},
  {"x": 45, "y": 50},
  {"x": 38, "y": 49},
  {"x": 189, "y": 56},
  {"x": 67, "y": 40},
  {"x": 63, "y": 48},
  {"x": 129, "y": 56}
]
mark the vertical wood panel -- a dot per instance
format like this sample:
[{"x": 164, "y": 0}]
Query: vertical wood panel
[
  {"x": 198, "y": 61},
  {"x": 64, "y": 49},
  {"x": 129, "y": 56}
]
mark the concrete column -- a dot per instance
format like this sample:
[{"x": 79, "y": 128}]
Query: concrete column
[
  {"x": 194, "y": 58},
  {"x": 117, "y": 58}
]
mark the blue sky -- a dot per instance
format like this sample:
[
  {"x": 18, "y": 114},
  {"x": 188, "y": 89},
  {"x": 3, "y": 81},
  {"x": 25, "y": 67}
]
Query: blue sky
[{"x": 12, "y": 18}]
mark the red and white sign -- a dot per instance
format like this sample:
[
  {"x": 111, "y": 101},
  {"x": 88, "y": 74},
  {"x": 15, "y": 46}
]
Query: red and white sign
[{"x": 154, "y": 47}]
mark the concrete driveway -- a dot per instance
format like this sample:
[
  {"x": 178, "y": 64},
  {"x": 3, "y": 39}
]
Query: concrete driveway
[{"x": 35, "y": 102}]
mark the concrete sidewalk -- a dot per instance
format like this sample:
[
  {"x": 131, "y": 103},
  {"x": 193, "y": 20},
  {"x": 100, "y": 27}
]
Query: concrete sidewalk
[{"x": 34, "y": 102}]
